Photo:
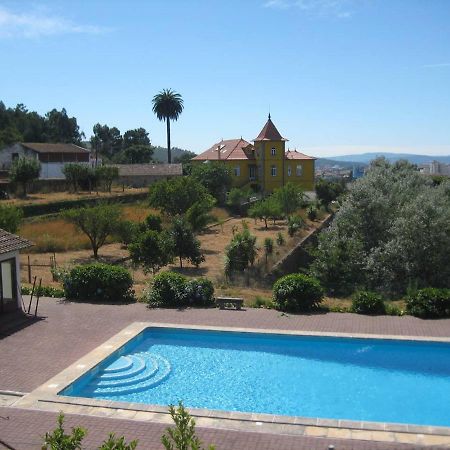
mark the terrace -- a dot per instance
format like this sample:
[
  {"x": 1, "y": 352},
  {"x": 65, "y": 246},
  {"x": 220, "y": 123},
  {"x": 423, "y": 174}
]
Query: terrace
[{"x": 34, "y": 354}]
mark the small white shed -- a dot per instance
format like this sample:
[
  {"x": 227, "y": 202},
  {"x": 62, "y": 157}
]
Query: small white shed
[{"x": 10, "y": 245}]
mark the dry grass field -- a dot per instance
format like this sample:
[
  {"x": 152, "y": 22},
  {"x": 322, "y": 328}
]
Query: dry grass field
[{"x": 213, "y": 243}]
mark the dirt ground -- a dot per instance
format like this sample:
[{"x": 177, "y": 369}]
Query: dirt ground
[{"x": 213, "y": 243}]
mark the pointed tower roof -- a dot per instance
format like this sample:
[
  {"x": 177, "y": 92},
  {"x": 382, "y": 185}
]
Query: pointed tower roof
[{"x": 269, "y": 133}]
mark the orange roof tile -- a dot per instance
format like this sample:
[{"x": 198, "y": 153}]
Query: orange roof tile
[
  {"x": 229, "y": 149},
  {"x": 269, "y": 133},
  {"x": 294, "y": 154}
]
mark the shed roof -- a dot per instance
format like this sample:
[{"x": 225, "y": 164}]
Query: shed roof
[
  {"x": 10, "y": 242},
  {"x": 126, "y": 170},
  {"x": 294, "y": 154},
  {"x": 46, "y": 147}
]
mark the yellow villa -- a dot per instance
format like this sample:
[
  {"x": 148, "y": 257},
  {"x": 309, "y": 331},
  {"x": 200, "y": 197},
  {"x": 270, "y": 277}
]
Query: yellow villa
[{"x": 264, "y": 165}]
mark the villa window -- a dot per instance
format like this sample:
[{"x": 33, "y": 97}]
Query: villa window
[
  {"x": 299, "y": 170},
  {"x": 252, "y": 172},
  {"x": 289, "y": 171},
  {"x": 274, "y": 171},
  {"x": 273, "y": 151},
  {"x": 237, "y": 171}
]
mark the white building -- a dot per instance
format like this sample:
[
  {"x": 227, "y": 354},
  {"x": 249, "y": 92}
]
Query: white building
[
  {"x": 10, "y": 244},
  {"x": 52, "y": 157},
  {"x": 435, "y": 168}
]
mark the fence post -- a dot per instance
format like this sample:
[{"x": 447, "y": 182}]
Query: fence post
[{"x": 29, "y": 270}]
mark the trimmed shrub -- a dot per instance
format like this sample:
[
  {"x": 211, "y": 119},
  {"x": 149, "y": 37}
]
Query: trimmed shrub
[
  {"x": 172, "y": 290},
  {"x": 367, "y": 302},
  {"x": 429, "y": 302},
  {"x": 99, "y": 283},
  {"x": 297, "y": 292}
]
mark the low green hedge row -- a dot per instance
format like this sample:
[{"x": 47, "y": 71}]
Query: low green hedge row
[
  {"x": 43, "y": 291},
  {"x": 41, "y": 209}
]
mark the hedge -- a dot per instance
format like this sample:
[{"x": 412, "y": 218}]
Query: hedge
[
  {"x": 99, "y": 282},
  {"x": 429, "y": 303}
]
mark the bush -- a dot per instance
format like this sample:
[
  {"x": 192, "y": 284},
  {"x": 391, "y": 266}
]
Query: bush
[
  {"x": 10, "y": 218},
  {"x": 429, "y": 302},
  {"x": 280, "y": 239},
  {"x": 99, "y": 283},
  {"x": 312, "y": 213},
  {"x": 43, "y": 291},
  {"x": 367, "y": 302},
  {"x": 294, "y": 224},
  {"x": 297, "y": 292},
  {"x": 172, "y": 290}
]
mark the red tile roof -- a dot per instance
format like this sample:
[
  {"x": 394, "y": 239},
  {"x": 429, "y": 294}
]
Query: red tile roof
[
  {"x": 45, "y": 147},
  {"x": 294, "y": 154},
  {"x": 229, "y": 149},
  {"x": 269, "y": 133}
]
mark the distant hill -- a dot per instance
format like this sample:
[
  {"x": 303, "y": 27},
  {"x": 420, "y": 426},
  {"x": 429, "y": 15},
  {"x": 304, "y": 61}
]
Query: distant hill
[
  {"x": 160, "y": 153},
  {"x": 322, "y": 162},
  {"x": 392, "y": 157}
]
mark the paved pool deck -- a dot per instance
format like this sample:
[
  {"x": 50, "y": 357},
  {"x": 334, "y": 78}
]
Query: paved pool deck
[{"x": 31, "y": 355}]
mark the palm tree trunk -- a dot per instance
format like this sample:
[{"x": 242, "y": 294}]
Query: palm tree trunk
[{"x": 169, "y": 155}]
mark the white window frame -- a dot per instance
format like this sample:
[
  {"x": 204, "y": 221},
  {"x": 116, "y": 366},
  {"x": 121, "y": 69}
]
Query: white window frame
[
  {"x": 299, "y": 170},
  {"x": 273, "y": 171},
  {"x": 273, "y": 151},
  {"x": 237, "y": 171}
]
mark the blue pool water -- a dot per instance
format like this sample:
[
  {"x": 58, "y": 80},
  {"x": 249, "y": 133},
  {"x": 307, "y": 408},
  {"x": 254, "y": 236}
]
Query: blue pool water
[{"x": 339, "y": 378}]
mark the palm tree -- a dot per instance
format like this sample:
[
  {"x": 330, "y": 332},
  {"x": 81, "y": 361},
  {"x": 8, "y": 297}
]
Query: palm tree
[{"x": 167, "y": 105}]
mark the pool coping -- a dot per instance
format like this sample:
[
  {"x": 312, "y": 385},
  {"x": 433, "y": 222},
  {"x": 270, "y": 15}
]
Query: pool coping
[{"x": 46, "y": 396}]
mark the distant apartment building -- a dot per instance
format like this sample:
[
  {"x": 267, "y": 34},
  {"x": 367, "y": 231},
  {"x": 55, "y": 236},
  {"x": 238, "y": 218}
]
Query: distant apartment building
[{"x": 434, "y": 168}]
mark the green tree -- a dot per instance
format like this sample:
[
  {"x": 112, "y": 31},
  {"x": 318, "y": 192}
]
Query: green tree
[
  {"x": 138, "y": 136},
  {"x": 185, "y": 244},
  {"x": 289, "y": 197},
  {"x": 106, "y": 141},
  {"x": 24, "y": 171},
  {"x": 59, "y": 440},
  {"x": 59, "y": 127},
  {"x": 266, "y": 209},
  {"x": 328, "y": 191},
  {"x": 107, "y": 175},
  {"x": 80, "y": 176},
  {"x": 215, "y": 177},
  {"x": 167, "y": 105},
  {"x": 97, "y": 222},
  {"x": 152, "y": 250},
  {"x": 177, "y": 195},
  {"x": 237, "y": 196},
  {"x": 240, "y": 252},
  {"x": 198, "y": 214},
  {"x": 182, "y": 436},
  {"x": 268, "y": 247},
  {"x": 10, "y": 218},
  {"x": 392, "y": 231},
  {"x": 135, "y": 154}
]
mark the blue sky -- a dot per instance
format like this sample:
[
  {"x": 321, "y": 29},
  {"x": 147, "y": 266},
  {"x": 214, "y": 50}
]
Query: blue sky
[{"x": 339, "y": 76}]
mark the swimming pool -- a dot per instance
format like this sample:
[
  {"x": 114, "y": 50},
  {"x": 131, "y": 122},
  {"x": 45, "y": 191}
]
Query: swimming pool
[{"x": 308, "y": 376}]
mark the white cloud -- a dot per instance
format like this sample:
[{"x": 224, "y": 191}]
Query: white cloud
[
  {"x": 40, "y": 23},
  {"x": 340, "y": 9}
]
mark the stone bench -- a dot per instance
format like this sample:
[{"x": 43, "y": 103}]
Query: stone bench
[{"x": 223, "y": 302}]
